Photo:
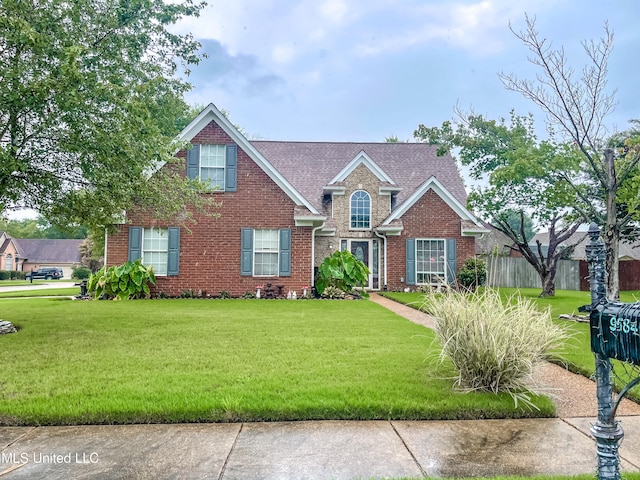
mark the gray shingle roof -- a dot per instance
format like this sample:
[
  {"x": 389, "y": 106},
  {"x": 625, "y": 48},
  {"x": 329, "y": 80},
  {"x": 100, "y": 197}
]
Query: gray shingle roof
[
  {"x": 41, "y": 250},
  {"x": 581, "y": 239},
  {"x": 309, "y": 166}
]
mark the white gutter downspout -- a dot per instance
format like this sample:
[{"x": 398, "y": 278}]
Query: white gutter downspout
[
  {"x": 384, "y": 238},
  {"x": 313, "y": 250}
]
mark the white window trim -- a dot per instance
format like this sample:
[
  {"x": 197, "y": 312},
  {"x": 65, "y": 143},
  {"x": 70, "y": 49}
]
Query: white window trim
[
  {"x": 166, "y": 252},
  {"x": 351, "y": 227},
  {"x": 256, "y": 251},
  {"x": 443, "y": 274},
  {"x": 214, "y": 188}
]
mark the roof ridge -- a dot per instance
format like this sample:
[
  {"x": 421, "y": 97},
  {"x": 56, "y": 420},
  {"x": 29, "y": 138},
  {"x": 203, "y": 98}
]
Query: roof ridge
[{"x": 326, "y": 142}]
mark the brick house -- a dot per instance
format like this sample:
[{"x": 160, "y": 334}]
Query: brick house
[
  {"x": 11, "y": 257},
  {"x": 285, "y": 206},
  {"x": 28, "y": 254}
]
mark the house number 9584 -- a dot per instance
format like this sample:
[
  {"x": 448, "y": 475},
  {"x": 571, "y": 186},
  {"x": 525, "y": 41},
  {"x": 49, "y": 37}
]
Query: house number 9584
[{"x": 624, "y": 325}]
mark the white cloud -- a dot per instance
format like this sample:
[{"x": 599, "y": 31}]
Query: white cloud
[
  {"x": 478, "y": 27},
  {"x": 334, "y": 10},
  {"x": 283, "y": 53}
]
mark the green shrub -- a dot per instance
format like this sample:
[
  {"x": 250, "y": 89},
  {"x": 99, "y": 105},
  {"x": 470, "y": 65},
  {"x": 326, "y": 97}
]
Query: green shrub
[
  {"x": 80, "y": 272},
  {"x": 493, "y": 346},
  {"x": 333, "y": 293},
  {"x": 224, "y": 294},
  {"x": 123, "y": 282},
  {"x": 343, "y": 271},
  {"x": 11, "y": 275},
  {"x": 472, "y": 273}
]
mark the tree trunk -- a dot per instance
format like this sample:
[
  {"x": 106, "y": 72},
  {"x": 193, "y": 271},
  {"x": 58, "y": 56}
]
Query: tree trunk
[
  {"x": 612, "y": 264},
  {"x": 548, "y": 279},
  {"x": 611, "y": 233}
]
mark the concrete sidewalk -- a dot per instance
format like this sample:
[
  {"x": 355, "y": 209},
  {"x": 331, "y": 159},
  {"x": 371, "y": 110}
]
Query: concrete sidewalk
[{"x": 310, "y": 450}]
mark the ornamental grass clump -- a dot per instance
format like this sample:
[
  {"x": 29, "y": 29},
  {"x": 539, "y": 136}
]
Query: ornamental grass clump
[{"x": 492, "y": 344}]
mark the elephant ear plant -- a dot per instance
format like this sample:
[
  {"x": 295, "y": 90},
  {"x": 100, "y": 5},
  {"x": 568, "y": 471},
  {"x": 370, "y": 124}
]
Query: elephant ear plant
[
  {"x": 344, "y": 271},
  {"x": 122, "y": 282}
]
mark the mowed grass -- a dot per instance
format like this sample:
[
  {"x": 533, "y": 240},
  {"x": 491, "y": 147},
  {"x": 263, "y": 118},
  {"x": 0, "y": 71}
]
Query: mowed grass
[
  {"x": 44, "y": 292},
  {"x": 26, "y": 283},
  {"x": 576, "y": 353},
  {"x": 100, "y": 362}
]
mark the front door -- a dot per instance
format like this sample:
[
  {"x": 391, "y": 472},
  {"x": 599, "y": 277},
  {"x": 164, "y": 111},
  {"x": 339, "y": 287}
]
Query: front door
[{"x": 367, "y": 252}]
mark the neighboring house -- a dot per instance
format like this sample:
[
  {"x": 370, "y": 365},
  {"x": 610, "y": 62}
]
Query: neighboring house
[
  {"x": 11, "y": 257},
  {"x": 493, "y": 242},
  {"x": 627, "y": 251},
  {"x": 27, "y": 254},
  {"x": 287, "y": 205}
]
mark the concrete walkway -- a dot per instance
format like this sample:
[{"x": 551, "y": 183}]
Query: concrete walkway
[{"x": 310, "y": 450}]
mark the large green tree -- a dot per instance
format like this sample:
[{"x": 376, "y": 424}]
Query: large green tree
[
  {"x": 518, "y": 180},
  {"x": 89, "y": 98},
  {"x": 577, "y": 108},
  {"x": 40, "y": 228}
]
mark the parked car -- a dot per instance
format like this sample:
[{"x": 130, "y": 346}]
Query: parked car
[{"x": 49, "y": 273}]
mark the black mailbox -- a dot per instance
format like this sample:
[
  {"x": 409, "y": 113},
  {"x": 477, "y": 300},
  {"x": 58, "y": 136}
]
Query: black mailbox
[{"x": 615, "y": 330}]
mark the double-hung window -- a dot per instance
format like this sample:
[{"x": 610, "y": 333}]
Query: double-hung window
[
  {"x": 265, "y": 253},
  {"x": 360, "y": 210},
  {"x": 155, "y": 249},
  {"x": 216, "y": 165},
  {"x": 212, "y": 165},
  {"x": 430, "y": 261}
]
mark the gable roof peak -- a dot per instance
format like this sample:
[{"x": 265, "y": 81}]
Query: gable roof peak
[
  {"x": 211, "y": 113},
  {"x": 362, "y": 159}
]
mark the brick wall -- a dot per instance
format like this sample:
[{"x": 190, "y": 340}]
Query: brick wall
[
  {"x": 210, "y": 251},
  {"x": 429, "y": 217}
]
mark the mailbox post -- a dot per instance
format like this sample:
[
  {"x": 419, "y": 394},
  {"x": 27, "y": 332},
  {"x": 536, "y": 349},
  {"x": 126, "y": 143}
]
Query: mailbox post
[{"x": 614, "y": 334}]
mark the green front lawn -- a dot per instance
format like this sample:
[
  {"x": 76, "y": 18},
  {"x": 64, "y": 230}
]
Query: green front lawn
[
  {"x": 42, "y": 292},
  {"x": 577, "y": 352},
  {"x": 95, "y": 362},
  {"x": 26, "y": 283}
]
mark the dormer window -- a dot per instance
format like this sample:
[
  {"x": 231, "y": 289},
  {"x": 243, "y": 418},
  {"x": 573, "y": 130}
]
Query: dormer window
[{"x": 360, "y": 210}]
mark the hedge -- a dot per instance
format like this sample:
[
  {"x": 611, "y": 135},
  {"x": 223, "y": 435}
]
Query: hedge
[{"x": 11, "y": 275}]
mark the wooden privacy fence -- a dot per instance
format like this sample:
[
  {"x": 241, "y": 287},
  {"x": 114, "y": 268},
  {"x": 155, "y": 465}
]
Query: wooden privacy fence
[
  {"x": 517, "y": 272},
  {"x": 571, "y": 274}
]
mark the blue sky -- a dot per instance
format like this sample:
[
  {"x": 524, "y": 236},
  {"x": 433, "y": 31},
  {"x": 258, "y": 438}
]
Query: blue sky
[{"x": 350, "y": 70}]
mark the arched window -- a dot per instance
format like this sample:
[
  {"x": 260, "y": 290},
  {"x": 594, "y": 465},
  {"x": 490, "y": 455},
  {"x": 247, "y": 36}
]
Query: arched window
[
  {"x": 8, "y": 264},
  {"x": 360, "y": 210}
]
